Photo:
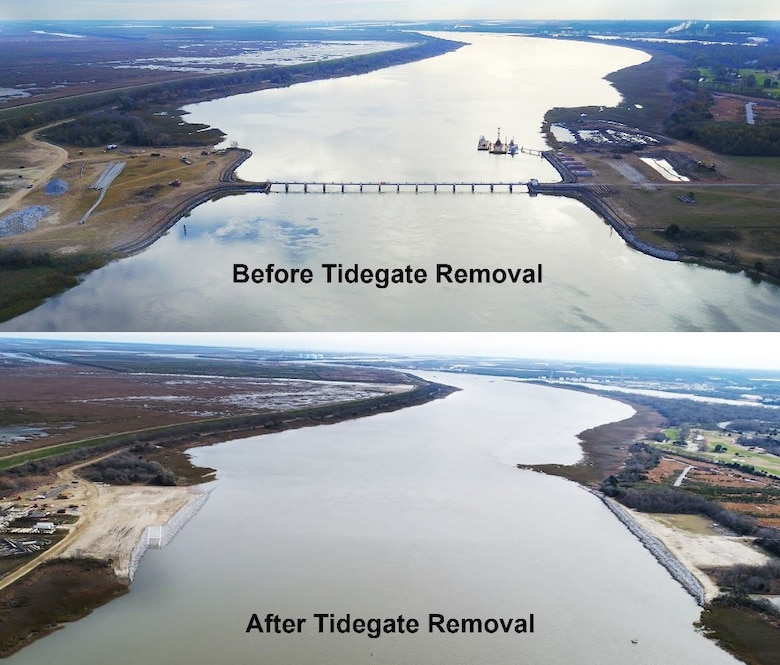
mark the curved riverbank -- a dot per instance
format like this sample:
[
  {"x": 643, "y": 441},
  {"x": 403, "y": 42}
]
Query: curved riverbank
[
  {"x": 725, "y": 223},
  {"x": 590, "y": 196},
  {"x": 126, "y": 520},
  {"x": 604, "y": 451},
  {"x": 228, "y": 184},
  {"x": 604, "y": 448},
  {"x": 685, "y": 556}
]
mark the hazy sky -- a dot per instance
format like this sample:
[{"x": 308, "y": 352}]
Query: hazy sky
[
  {"x": 742, "y": 350},
  {"x": 303, "y": 10}
]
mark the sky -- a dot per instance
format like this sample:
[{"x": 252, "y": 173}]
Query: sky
[
  {"x": 362, "y": 10},
  {"x": 737, "y": 350}
]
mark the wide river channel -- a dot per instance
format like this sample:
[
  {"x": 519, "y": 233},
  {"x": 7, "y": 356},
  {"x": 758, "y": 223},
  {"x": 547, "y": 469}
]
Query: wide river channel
[
  {"x": 417, "y": 512},
  {"x": 416, "y": 122}
]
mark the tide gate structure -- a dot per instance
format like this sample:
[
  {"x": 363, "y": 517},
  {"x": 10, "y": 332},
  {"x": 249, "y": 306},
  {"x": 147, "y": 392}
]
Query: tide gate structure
[{"x": 379, "y": 187}]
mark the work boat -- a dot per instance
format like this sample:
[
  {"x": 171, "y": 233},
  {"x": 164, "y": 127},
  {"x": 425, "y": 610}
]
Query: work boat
[
  {"x": 483, "y": 144},
  {"x": 512, "y": 147},
  {"x": 498, "y": 148}
]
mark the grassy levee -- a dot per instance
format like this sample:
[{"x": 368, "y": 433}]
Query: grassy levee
[
  {"x": 201, "y": 432},
  {"x": 103, "y": 443},
  {"x": 727, "y": 227}
]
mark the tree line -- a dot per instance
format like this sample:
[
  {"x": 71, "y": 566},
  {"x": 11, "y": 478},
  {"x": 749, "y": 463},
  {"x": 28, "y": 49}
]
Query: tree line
[
  {"x": 129, "y": 468},
  {"x": 626, "y": 487},
  {"x": 14, "y": 122},
  {"x": 691, "y": 118},
  {"x": 104, "y": 127},
  {"x": 193, "y": 433},
  {"x": 705, "y": 414},
  {"x": 742, "y": 578}
]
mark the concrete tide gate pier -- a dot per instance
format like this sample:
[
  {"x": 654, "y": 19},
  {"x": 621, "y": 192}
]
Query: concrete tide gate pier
[{"x": 307, "y": 187}]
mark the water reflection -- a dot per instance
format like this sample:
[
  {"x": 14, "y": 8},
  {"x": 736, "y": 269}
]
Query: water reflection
[{"x": 414, "y": 122}]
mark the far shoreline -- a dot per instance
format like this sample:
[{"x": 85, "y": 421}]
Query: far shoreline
[
  {"x": 604, "y": 447},
  {"x": 66, "y": 262},
  {"x": 105, "y": 569}
]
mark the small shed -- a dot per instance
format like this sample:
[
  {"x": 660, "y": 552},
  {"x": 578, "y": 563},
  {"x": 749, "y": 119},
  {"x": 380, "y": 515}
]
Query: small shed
[{"x": 44, "y": 527}]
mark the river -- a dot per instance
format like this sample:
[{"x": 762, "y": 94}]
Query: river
[
  {"x": 417, "y": 512},
  {"x": 415, "y": 122}
]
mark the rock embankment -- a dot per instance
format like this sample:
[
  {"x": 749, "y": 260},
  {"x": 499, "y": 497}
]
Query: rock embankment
[
  {"x": 160, "y": 536},
  {"x": 589, "y": 195},
  {"x": 23, "y": 220},
  {"x": 662, "y": 554}
]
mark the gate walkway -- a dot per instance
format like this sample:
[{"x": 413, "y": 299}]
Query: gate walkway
[{"x": 379, "y": 187}]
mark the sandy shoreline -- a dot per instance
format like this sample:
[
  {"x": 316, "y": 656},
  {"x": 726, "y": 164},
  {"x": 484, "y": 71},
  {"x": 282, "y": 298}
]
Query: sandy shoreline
[
  {"x": 699, "y": 551},
  {"x": 118, "y": 518}
]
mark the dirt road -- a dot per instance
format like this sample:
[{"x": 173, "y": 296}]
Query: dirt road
[
  {"x": 111, "y": 523},
  {"x": 84, "y": 492},
  {"x": 52, "y": 155}
]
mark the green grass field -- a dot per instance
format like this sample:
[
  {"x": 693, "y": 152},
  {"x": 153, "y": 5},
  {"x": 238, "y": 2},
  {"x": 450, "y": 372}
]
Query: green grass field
[
  {"x": 739, "y": 85},
  {"x": 734, "y": 452},
  {"x": 739, "y": 225}
]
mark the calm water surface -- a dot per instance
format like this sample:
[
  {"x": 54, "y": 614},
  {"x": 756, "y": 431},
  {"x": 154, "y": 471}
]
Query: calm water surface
[
  {"x": 414, "y": 122},
  {"x": 414, "y": 512}
]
